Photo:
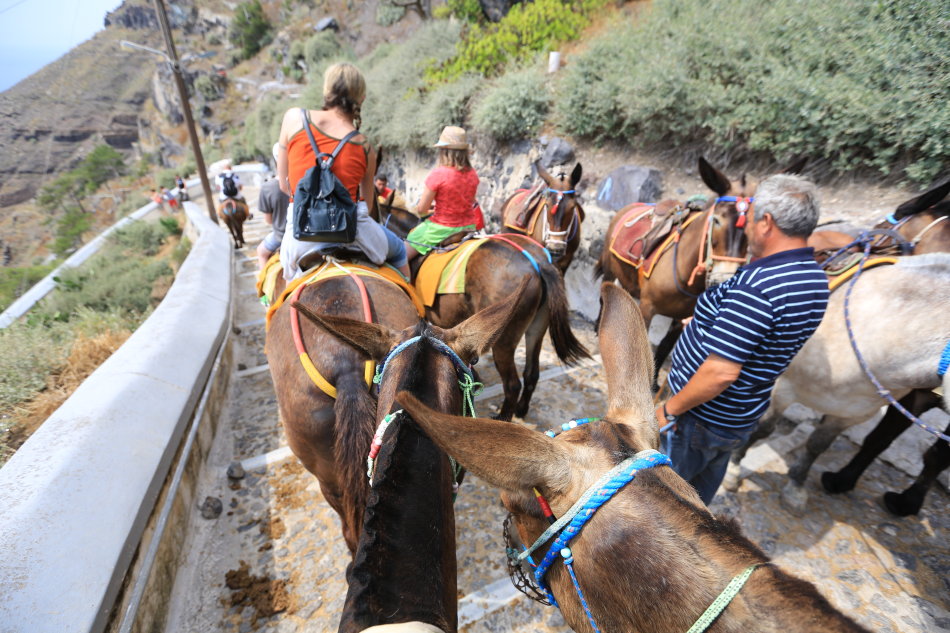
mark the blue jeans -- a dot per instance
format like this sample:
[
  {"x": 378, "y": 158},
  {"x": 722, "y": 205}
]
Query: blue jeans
[
  {"x": 700, "y": 452},
  {"x": 397, "y": 249}
]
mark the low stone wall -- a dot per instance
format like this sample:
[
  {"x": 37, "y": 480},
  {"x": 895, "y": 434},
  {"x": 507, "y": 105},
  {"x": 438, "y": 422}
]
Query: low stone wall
[{"x": 78, "y": 495}]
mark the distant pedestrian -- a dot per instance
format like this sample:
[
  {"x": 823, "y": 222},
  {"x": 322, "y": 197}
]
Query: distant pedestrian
[
  {"x": 170, "y": 198},
  {"x": 273, "y": 203},
  {"x": 158, "y": 199}
]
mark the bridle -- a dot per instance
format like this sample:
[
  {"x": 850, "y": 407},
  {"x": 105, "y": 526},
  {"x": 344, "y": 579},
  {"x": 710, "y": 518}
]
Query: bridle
[
  {"x": 558, "y": 240},
  {"x": 707, "y": 256},
  {"x": 467, "y": 384},
  {"x": 564, "y": 529}
]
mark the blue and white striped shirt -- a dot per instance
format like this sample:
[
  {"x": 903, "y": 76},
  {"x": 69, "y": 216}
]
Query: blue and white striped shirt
[{"x": 760, "y": 318}]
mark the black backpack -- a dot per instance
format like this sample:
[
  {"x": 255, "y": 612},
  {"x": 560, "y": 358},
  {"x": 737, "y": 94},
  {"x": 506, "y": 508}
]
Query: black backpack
[
  {"x": 228, "y": 186},
  {"x": 323, "y": 208}
]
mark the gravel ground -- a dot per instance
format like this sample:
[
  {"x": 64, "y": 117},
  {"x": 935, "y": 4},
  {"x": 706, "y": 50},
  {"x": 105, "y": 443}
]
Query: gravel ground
[{"x": 274, "y": 560}]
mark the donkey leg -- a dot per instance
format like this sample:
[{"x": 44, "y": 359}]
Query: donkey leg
[
  {"x": 504, "y": 354},
  {"x": 664, "y": 348},
  {"x": 819, "y": 440},
  {"x": 887, "y": 430},
  {"x": 936, "y": 460},
  {"x": 534, "y": 338}
]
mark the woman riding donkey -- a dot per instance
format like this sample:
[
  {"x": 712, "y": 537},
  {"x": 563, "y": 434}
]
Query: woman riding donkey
[
  {"x": 344, "y": 90},
  {"x": 451, "y": 186}
]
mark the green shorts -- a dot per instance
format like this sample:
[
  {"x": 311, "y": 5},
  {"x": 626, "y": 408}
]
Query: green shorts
[{"x": 429, "y": 234}]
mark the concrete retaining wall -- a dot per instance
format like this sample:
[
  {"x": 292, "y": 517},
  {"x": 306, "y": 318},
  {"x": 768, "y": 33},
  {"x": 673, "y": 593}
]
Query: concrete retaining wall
[{"x": 76, "y": 498}]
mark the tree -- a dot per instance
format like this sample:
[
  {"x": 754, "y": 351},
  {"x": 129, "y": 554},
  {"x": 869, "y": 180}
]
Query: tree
[
  {"x": 101, "y": 164},
  {"x": 250, "y": 28}
]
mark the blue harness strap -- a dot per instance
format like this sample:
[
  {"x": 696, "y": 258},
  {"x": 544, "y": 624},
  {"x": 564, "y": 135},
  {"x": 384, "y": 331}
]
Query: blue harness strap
[{"x": 944, "y": 363}]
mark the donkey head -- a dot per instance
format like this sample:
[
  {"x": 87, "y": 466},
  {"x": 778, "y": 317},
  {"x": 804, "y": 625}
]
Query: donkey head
[
  {"x": 564, "y": 213},
  {"x": 520, "y": 460},
  {"x": 727, "y": 242},
  {"x": 409, "y": 520},
  {"x": 928, "y": 200}
]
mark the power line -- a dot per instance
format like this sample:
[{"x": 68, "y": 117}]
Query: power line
[{"x": 15, "y": 4}]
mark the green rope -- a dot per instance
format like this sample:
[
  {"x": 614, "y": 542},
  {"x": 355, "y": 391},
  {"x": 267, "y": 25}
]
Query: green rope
[
  {"x": 722, "y": 601},
  {"x": 470, "y": 388}
]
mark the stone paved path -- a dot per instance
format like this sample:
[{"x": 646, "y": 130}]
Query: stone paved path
[{"x": 893, "y": 575}]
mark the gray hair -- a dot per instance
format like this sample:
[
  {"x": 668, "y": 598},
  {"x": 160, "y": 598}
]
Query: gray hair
[{"x": 792, "y": 202}]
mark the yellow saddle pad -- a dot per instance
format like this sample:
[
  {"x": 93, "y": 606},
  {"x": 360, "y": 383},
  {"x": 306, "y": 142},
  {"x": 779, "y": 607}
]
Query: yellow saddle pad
[
  {"x": 267, "y": 279},
  {"x": 444, "y": 273},
  {"x": 834, "y": 282}
]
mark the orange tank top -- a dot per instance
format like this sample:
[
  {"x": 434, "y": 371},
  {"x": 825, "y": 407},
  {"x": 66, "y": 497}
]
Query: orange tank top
[{"x": 349, "y": 165}]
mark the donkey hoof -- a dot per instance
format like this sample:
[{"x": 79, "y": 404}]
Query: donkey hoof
[
  {"x": 733, "y": 477},
  {"x": 834, "y": 483},
  {"x": 794, "y": 497},
  {"x": 898, "y": 504}
]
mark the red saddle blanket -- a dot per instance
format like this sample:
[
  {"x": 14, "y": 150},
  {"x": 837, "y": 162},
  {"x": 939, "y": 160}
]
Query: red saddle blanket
[{"x": 627, "y": 241}]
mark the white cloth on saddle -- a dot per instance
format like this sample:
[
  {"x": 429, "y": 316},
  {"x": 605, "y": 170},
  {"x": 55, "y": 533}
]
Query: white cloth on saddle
[
  {"x": 404, "y": 627},
  {"x": 370, "y": 240}
]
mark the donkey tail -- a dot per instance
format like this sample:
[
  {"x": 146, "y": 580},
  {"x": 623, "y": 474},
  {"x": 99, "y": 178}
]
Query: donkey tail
[
  {"x": 568, "y": 348},
  {"x": 355, "y": 412}
]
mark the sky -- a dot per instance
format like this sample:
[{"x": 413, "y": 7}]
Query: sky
[{"x": 34, "y": 33}]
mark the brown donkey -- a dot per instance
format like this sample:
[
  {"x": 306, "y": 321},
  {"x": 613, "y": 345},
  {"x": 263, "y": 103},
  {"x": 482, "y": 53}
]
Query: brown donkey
[
  {"x": 494, "y": 271},
  {"x": 234, "y": 213},
  {"x": 404, "y": 570},
  {"x": 331, "y": 436},
  {"x": 924, "y": 221},
  {"x": 558, "y": 225},
  {"x": 680, "y": 273},
  {"x": 652, "y": 558}
]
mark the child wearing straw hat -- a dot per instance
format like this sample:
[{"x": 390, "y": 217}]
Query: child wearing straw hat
[{"x": 452, "y": 186}]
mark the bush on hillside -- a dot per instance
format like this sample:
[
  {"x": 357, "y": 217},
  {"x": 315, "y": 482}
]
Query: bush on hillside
[
  {"x": 250, "y": 29},
  {"x": 14, "y": 281},
  {"x": 514, "y": 107},
  {"x": 859, "y": 85},
  {"x": 388, "y": 13},
  {"x": 528, "y": 28}
]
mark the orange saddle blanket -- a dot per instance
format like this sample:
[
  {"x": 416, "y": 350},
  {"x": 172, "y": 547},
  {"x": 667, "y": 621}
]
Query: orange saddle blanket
[{"x": 627, "y": 241}]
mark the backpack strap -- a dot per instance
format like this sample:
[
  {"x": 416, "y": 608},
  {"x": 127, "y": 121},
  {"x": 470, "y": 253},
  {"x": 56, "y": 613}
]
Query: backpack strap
[{"x": 313, "y": 143}]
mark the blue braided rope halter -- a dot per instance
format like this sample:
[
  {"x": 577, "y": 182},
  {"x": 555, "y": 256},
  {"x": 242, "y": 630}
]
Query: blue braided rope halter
[{"x": 881, "y": 389}]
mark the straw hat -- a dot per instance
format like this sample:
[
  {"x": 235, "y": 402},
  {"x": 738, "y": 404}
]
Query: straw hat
[{"x": 452, "y": 137}]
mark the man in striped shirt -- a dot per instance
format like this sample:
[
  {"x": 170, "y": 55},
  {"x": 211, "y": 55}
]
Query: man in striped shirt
[{"x": 743, "y": 335}]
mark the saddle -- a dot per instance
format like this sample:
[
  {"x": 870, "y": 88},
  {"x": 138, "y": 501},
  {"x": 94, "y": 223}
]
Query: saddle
[
  {"x": 444, "y": 273},
  {"x": 528, "y": 209},
  {"x": 844, "y": 268},
  {"x": 642, "y": 227}
]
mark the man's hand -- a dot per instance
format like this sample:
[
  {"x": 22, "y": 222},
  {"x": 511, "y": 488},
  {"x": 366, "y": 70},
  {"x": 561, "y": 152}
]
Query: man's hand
[{"x": 661, "y": 419}]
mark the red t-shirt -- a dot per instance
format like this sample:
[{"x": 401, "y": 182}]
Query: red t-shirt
[{"x": 454, "y": 196}]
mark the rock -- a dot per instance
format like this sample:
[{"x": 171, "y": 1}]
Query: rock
[
  {"x": 211, "y": 508},
  {"x": 628, "y": 184},
  {"x": 235, "y": 471},
  {"x": 495, "y": 10},
  {"x": 557, "y": 152},
  {"x": 327, "y": 23}
]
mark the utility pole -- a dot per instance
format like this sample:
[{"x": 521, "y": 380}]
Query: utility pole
[{"x": 186, "y": 108}]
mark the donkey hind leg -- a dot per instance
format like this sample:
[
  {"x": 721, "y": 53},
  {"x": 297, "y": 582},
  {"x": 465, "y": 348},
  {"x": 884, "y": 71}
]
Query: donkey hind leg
[
  {"x": 887, "y": 430},
  {"x": 936, "y": 460},
  {"x": 534, "y": 337},
  {"x": 503, "y": 353}
]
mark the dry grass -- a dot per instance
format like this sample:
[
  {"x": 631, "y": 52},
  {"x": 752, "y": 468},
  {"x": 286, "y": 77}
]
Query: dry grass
[{"x": 86, "y": 355}]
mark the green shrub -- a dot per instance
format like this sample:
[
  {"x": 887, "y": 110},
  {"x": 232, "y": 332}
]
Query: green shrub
[
  {"x": 320, "y": 47},
  {"x": 388, "y": 13},
  {"x": 144, "y": 238},
  {"x": 261, "y": 128},
  {"x": 516, "y": 106},
  {"x": 29, "y": 355},
  {"x": 854, "y": 84},
  {"x": 69, "y": 229},
  {"x": 250, "y": 29},
  {"x": 14, "y": 281},
  {"x": 527, "y": 29},
  {"x": 212, "y": 87},
  {"x": 467, "y": 10}
]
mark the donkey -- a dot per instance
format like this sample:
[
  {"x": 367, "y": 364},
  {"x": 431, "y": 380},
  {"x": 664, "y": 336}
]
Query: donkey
[
  {"x": 404, "y": 570},
  {"x": 559, "y": 226},
  {"x": 495, "y": 270},
  {"x": 892, "y": 316},
  {"x": 234, "y": 213},
  {"x": 680, "y": 273},
  {"x": 331, "y": 436},
  {"x": 652, "y": 558},
  {"x": 924, "y": 221}
]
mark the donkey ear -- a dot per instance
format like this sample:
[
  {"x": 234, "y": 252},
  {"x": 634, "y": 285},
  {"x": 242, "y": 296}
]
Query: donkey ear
[
  {"x": 714, "y": 178},
  {"x": 476, "y": 334},
  {"x": 372, "y": 339},
  {"x": 923, "y": 201},
  {"x": 506, "y": 455},
  {"x": 576, "y": 175},
  {"x": 797, "y": 167},
  {"x": 628, "y": 362},
  {"x": 543, "y": 174}
]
